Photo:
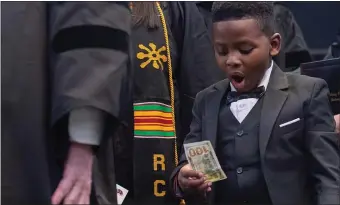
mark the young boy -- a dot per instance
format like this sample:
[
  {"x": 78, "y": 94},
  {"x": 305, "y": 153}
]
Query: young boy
[{"x": 273, "y": 133}]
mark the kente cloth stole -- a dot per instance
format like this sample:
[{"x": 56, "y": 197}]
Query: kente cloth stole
[{"x": 155, "y": 154}]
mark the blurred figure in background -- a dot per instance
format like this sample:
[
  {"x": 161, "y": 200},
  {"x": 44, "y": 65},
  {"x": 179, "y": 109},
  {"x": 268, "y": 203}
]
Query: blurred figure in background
[
  {"x": 334, "y": 49},
  {"x": 334, "y": 52},
  {"x": 24, "y": 104},
  {"x": 294, "y": 49}
]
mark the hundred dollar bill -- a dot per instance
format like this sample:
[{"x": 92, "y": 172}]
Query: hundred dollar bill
[{"x": 201, "y": 156}]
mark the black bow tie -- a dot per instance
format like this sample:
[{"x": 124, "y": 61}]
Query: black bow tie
[{"x": 234, "y": 96}]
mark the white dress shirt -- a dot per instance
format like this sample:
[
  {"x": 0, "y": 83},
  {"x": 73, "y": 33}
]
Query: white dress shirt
[{"x": 241, "y": 108}]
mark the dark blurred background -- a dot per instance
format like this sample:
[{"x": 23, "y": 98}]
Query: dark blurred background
[{"x": 319, "y": 22}]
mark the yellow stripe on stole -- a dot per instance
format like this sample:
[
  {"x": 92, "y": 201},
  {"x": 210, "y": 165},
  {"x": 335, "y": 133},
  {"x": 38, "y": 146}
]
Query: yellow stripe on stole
[
  {"x": 151, "y": 114},
  {"x": 153, "y": 124},
  {"x": 154, "y": 127}
]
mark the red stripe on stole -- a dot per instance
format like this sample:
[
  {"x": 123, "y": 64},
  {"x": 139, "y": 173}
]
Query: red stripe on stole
[{"x": 153, "y": 120}]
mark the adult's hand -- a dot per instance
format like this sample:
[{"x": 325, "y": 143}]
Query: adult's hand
[
  {"x": 75, "y": 186},
  {"x": 337, "y": 121}
]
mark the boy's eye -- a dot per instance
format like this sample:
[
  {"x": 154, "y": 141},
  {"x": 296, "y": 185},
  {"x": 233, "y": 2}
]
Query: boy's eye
[
  {"x": 246, "y": 51},
  {"x": 221, "y": 49},
  {"x": 221, "y": 52}
]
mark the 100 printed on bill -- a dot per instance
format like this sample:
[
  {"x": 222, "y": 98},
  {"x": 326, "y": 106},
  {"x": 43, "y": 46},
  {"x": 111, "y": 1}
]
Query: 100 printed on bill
[{"x": 202, "y": 158}]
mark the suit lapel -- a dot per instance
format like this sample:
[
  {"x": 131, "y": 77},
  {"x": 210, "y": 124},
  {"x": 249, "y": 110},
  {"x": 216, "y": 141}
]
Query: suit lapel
[
  {"x": 273, "y": 102},
  {"x": 213, "y": 108}
]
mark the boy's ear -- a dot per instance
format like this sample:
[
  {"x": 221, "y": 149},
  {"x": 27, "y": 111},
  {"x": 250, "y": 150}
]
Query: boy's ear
[{"x": 275, "y": 43}]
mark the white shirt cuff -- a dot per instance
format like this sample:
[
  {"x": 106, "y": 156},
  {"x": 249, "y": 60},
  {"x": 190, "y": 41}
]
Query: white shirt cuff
[{"x": 86, "y": 125}]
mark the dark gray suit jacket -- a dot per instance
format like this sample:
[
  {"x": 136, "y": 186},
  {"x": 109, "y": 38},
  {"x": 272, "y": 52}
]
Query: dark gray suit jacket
[{"x": 300, "y": 161}]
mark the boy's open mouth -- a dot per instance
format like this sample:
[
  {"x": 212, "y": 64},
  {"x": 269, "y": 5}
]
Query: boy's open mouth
[{"x": 237, "y": 79}]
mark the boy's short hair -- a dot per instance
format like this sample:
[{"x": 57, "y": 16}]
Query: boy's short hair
[{"x": 262, "y": 12}]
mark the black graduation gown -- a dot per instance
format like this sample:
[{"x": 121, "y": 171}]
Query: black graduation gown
[
  {"x": 90, "y": 67},
  {"x": 197, "y": 66},
  {"x": 24, "y": 104},
  {"x": 205, "y": 9}
]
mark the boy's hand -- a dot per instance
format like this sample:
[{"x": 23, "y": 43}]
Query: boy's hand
[{"x": 193, "y": 181}]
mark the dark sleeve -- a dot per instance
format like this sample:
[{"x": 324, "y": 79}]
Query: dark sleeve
[
  {"x": 323, "y": 146},
  {"x": 293, "y": 45},
  {"x": 204, "y": 8},
  {"x": 89, "y": 44},
  {"x": 198, "y": 68},
  {"x": 194, "y": 135},
  {"x": 89, "y": 68}
]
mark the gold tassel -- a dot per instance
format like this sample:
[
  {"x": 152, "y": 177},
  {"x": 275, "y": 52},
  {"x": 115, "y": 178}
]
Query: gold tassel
[{"x": 172, "y": 95}]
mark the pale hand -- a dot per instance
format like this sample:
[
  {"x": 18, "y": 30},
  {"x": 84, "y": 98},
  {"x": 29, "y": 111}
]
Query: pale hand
[
  {"x": 75, "y": 186},
  {"x": 337, "y": 121}
]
